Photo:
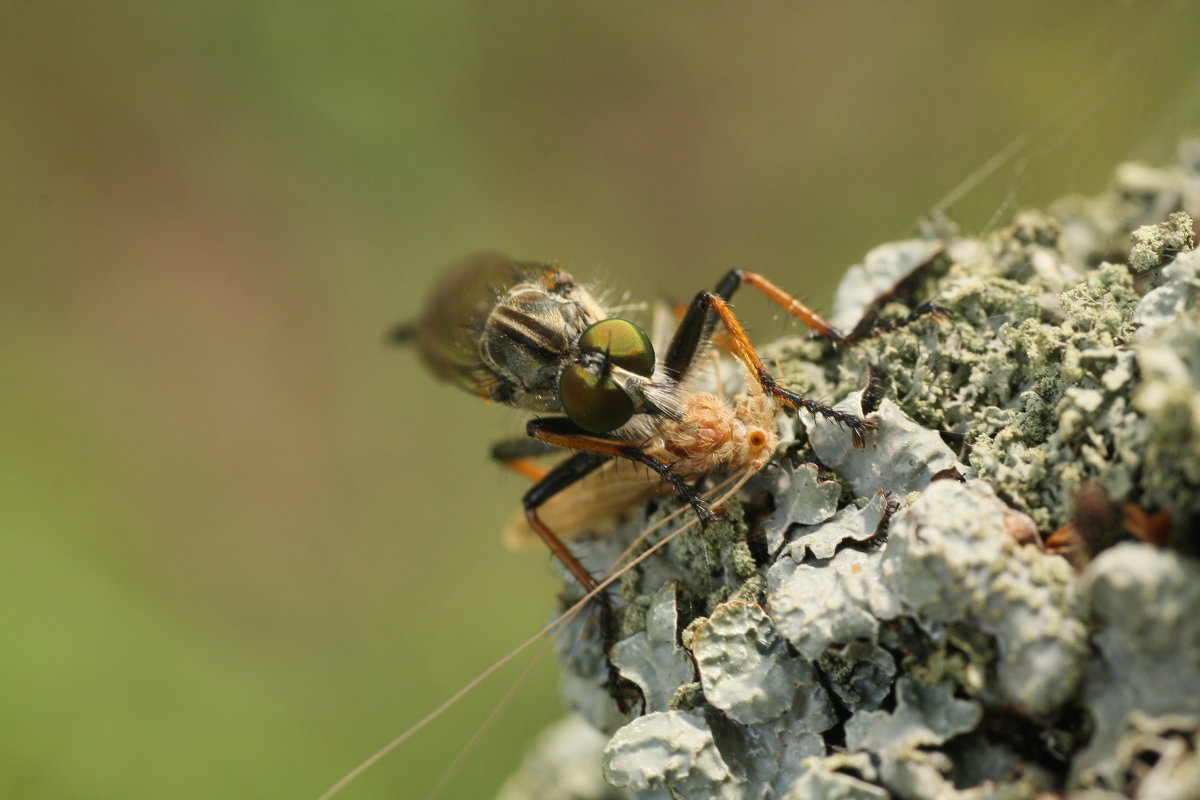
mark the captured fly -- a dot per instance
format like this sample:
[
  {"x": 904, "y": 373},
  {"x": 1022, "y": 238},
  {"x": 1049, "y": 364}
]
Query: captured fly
[{"x": 526, "y": 334}]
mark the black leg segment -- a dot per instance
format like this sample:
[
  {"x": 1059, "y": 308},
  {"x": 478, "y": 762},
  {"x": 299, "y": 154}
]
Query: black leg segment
[
  {"x": 570, "y": 471},
  {"x": 562, "y": 432},
  {"x": 511, "y": 449}
]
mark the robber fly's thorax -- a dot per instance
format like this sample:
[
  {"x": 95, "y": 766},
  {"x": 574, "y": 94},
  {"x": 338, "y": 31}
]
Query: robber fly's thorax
[
  {"x": 505, "y": 330},
  {"x": 532, "y": 334}
]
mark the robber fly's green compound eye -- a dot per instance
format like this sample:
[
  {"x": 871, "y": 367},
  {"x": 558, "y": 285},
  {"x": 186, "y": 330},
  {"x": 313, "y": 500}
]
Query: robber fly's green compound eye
[
  {"x": 626, "y": 345},
  {"x": 594, "y": 404}
]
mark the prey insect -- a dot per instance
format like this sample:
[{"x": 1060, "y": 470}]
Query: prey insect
[{"x": 527, "y": 335}]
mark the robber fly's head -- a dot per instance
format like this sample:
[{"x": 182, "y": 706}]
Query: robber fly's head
[
  {"x": 527, "y": 335},
  {"x": 607, "y": 379}
]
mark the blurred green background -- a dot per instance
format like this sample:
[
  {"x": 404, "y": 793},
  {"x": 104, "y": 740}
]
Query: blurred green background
[{"x": 243, "y": 542}]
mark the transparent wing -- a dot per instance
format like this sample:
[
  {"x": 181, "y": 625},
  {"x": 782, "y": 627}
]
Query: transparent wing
[
  {"x": 447, "y": 335},
  {"x": 608, "y": 492}
]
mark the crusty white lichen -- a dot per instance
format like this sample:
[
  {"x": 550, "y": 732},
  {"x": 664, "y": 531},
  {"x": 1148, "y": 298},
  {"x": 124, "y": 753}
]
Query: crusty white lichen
[
  {"x": 888, "y": 621},
  {"x": 1144, "y": 602},
  {"x": 952, "y": 561}
]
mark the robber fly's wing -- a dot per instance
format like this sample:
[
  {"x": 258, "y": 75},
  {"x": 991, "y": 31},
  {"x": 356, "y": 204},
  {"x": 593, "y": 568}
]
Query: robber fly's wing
[
  {"x": 447, "y": 334},
  {"x": 612, "y": 489}
]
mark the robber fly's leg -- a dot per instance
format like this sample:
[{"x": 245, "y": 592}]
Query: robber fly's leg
[
  {"x": 877, "y": 327},
  {"x": 872, "y": 327},
  {"x": 696, "y": 325},
  {"x": 522, "y": 447},
  {"x": 559, "y": 478},
  {"x": 570, "y": 471},
  {"x": 519, "y": 454},
  {"x": 561, "y": 432},
  {"x": 736, "y": 277}
]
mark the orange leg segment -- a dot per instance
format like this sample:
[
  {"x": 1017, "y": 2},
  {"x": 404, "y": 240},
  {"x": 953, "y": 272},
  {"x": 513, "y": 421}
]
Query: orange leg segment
[
  {"x": 749, "y": 356},
  {"x": 524, "y": 466},
  {"x": 792, "y": 306}
]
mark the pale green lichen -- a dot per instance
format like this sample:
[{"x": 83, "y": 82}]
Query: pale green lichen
[
  {"x": 1152, "y": 244},
  {"x": 824, "y": 654}
]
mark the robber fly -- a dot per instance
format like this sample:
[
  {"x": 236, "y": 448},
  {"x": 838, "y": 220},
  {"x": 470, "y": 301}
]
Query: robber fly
[{"x": 526, "y": 334}]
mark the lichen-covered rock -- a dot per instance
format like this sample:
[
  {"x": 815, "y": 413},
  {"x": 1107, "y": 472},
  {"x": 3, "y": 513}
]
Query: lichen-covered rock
[
  {"x": 902, "y": 741},
  {"x": 747, "y": 672},
  {"x": 820, "y": 603},
  {"x": 895, "y": 621},
  {"x": 901, "y": 457},
  {"x": 814, "y": 780},
  {"x": 804, "y": 499},
  {"x": 1167, "y": 397},
  {"x": 1144, "y": 602},
  {"x": 1152, "y": 244},
  {"x": 669, "y": 755},
  {"x": 851, "y": 524},
  {"x": 951, "y": 561},
  {"x": 651, "y": 658},
  {"x": 882, "y": 269}
]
